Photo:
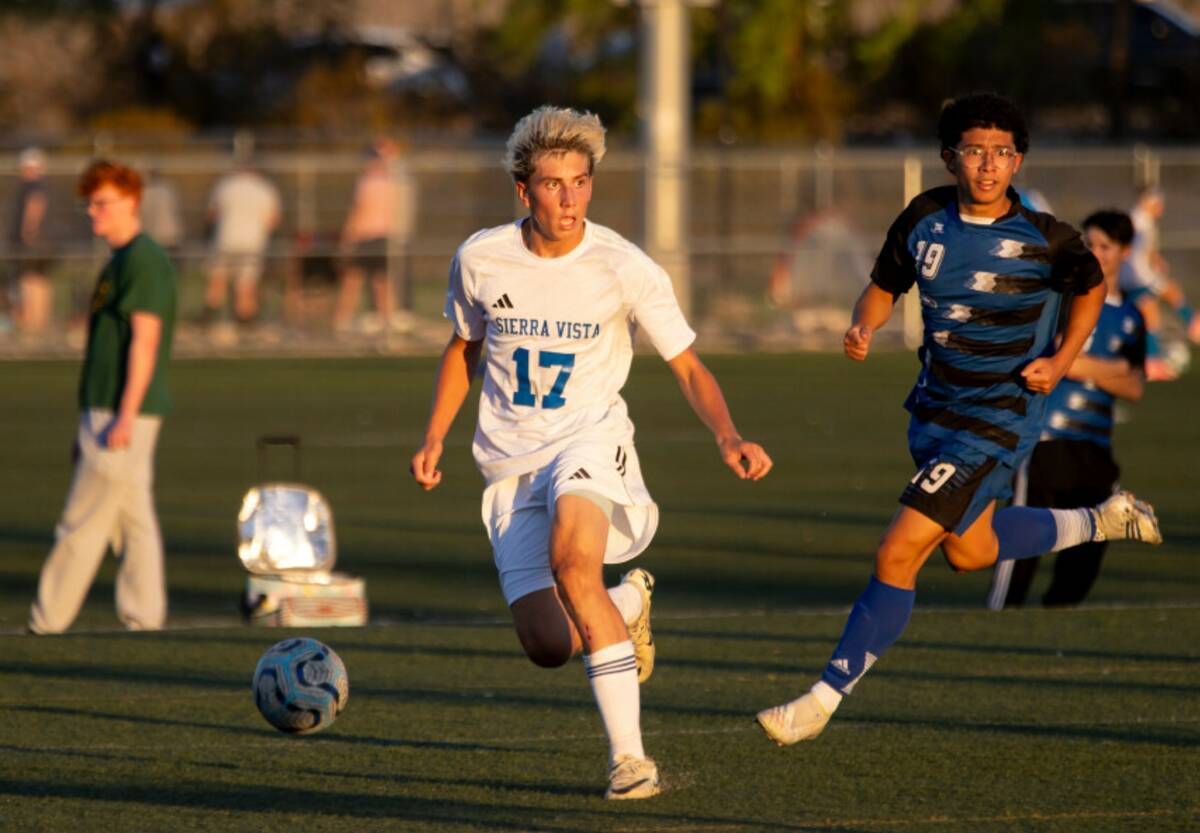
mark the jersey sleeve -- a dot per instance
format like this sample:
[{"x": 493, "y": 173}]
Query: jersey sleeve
[
  {"x": 149, "y": 283},
  {"x": 470, "y": 323},
  {"x": 895, "y": 270},
  {"x": 1073, "y": 269},
  {"x": 656, "y": 310}
]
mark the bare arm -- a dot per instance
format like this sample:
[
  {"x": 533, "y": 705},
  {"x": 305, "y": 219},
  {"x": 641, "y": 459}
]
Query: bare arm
[
  {"x": 1113, "y": 376},
  {"x": 871, "y": 311},
  {"x": 143, "y": 355},
  {"x": 453, "y": 382},
  {"x": 1043, "y": 374},
  {"x": 702, "y": 392}
]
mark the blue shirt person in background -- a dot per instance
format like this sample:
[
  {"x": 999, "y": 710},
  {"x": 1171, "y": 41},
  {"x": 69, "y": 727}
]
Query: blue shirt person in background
[{"x": 1073, "y": 463}]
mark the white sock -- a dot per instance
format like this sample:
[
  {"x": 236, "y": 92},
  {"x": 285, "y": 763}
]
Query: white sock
[
  {"x": 1075, "y": 526},
  {"x": 628, "y": 601},
  {"x": 612, "y": 672},
  {"x": 828, "y": 696}
]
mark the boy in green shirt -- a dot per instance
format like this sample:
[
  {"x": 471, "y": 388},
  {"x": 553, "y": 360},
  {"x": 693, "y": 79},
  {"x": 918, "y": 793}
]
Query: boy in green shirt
[{"x": 123, "y": 396}]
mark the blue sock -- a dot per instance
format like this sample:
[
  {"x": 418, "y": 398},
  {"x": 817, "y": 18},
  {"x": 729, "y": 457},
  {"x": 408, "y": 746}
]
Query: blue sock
[
  {"x": 1025, "y": 531},
  {"x": 876, "y": 621},
  {"x": 1152, "y": 346},
  {"x": 1186, "y": 314}
]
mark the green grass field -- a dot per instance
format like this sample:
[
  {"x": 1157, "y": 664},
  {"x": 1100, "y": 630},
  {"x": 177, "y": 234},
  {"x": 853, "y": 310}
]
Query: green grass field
[{"x": 1068, "y": 720}]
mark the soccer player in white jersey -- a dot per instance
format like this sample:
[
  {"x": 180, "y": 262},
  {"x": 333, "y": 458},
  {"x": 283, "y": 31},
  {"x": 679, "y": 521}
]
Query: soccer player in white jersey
[{"x": 557, "y": 298}]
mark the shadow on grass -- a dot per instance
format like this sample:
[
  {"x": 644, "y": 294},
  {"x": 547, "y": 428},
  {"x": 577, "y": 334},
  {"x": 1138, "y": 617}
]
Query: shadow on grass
[
  {"x": 1134, "y": 735},
  {"x": 1121, "y": 684},
  {"x": 243, "y": 731},
  {"x": 223, "y": 798},
  {"x": 1042, "y": 651}
]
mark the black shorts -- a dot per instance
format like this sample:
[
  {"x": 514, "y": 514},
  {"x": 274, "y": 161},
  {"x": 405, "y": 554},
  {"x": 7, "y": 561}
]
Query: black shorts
[
  {"x": 371, "y": 256},
  {"x": 1064, "y": 474}
]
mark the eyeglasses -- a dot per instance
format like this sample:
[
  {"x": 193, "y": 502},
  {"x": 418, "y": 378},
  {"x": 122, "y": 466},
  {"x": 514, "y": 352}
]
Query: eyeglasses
[{"x": 972, "y": 156}]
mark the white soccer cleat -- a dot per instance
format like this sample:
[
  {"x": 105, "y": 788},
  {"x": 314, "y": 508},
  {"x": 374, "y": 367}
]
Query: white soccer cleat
[
  {"x": 639, "y": 631},
  {"x": 1125, "y": 518},
  {"x": 801, "y": 719},
  {"x": 632, "y": 777}
]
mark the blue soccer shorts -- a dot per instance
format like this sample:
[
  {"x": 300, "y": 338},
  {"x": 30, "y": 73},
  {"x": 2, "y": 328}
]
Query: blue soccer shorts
[{"x": 954, "y": 482}]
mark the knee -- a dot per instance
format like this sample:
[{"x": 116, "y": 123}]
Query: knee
[
  {"x": 964, "y": 559},
  {"x": 572, "y": 574},
  {"x": 545, "y": 650},
  {"x": 896, "y": 563}
]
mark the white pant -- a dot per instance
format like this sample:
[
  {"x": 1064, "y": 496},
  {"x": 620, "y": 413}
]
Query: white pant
[
  {"x": 519, "y": 512},
  {"x": 110, "y": 502}
]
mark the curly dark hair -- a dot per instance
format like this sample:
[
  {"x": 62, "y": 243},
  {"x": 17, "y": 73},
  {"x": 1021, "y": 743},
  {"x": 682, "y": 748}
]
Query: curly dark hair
[{"x": 981, "y": 110}]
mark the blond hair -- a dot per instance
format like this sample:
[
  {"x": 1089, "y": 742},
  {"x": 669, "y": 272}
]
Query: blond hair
[{"x": 554, "y": 130}]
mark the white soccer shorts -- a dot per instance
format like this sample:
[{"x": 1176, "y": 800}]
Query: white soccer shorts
[{"x": 518, "y": 512}]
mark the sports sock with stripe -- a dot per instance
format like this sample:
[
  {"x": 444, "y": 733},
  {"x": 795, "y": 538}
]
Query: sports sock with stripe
[
  {"x": 1026, "y": 531},
  {"x": 612, "y": 672},
  {"x": 878, "y": 618}
]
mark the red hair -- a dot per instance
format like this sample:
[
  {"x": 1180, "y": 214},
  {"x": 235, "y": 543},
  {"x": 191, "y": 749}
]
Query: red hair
[{"x": 102, "y": 172}]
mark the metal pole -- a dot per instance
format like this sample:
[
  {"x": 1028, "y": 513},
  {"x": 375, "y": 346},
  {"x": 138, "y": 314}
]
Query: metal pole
[
  {"x": 666, "y": 115},
  {"x": 912, "y": 301}
]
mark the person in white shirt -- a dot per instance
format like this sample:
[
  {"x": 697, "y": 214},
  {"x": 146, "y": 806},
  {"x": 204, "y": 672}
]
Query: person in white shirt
[
  {"x": 245, "y": 208},
  {"x": 557, "y": 299},
  {"x": 1146, "y": 280}
]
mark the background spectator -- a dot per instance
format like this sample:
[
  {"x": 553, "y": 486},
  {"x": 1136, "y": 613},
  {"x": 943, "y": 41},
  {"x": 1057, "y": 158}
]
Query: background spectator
[{"x": 244, "y": 208}]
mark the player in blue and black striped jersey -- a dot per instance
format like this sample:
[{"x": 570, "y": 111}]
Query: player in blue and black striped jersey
[
  {"x": 1073, "y": 463},
  {"x": 992, "y": 275}
]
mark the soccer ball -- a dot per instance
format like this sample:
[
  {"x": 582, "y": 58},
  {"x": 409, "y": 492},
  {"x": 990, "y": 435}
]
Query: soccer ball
[{"x": 300, "y": 685}]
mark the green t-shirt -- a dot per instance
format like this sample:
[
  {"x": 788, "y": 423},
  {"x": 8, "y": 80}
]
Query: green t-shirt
[{"x": 138, "y": 278}]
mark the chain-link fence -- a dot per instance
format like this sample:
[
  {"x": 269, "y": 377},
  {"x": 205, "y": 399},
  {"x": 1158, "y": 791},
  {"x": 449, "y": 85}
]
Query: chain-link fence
[{"x": 781, "y": 240}]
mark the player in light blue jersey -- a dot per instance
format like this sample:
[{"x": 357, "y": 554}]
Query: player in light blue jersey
[
  {"x": 1073, "y": 463},
  {"x": 992, "y": 275}
]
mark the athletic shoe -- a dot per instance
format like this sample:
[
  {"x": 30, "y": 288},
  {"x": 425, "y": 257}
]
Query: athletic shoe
[
  {"x": 801, "y": 719},
  {"x": 632, "y": 777},
  {"x": 639, "y": 631},
  {"x": 1124, "y": 517}
]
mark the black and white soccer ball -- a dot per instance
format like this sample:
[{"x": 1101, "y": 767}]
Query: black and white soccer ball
[{"x": 300, "y": 685}]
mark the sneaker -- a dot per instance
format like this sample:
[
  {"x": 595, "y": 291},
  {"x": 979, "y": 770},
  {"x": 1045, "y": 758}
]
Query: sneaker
[
  {"x": 639, "y": 631},
  {"x": 801, "y": 719},
  {"x": 632, "y": 777},
  {"x": 1125, "y": 518}
]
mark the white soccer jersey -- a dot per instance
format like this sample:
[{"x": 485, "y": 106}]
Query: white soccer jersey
[
  {"x": 1144, "y": 246},
  {"x": 559, "y": 337}
]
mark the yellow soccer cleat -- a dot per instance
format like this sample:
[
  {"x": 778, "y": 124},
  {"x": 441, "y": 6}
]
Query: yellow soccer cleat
[{"x": 639, "y": 630}]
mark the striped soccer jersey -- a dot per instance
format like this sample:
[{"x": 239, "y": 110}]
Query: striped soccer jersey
[
  {"x": 990, "y": 299},
  {"x": 1080, "y": 410},
  {"x": 559, "y": 334}
]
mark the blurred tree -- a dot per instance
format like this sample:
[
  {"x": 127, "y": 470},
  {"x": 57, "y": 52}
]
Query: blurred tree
[
  {"x": 577, "y": 52},
  {"x": 783, "y": 68}
]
